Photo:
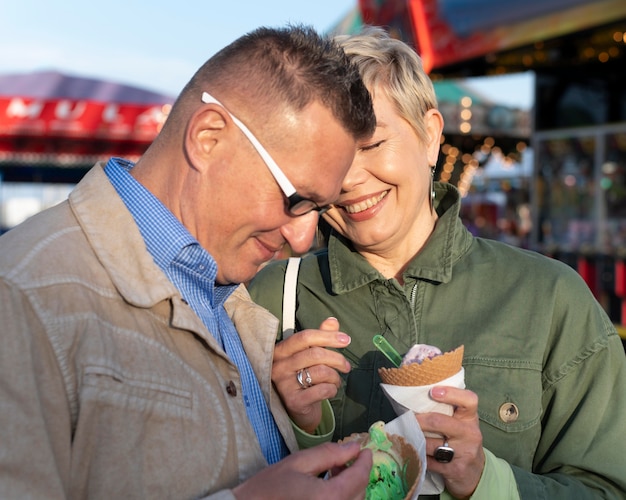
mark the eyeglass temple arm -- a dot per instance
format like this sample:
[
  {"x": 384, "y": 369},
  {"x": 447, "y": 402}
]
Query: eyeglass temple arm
[{"x": 284, "y": 183}]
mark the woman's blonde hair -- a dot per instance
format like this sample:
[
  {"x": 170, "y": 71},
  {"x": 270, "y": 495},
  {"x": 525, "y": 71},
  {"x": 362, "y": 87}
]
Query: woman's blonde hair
[{"x": 391, "y": 66}]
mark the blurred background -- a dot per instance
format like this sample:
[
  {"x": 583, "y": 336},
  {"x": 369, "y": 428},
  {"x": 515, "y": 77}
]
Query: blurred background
[{"x": 532, "y": 92}]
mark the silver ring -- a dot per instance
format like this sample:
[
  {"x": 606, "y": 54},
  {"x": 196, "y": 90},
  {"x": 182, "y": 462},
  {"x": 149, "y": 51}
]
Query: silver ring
[
  {"x": 307, "y": 382},
  {"x": 444, "y": 454}
]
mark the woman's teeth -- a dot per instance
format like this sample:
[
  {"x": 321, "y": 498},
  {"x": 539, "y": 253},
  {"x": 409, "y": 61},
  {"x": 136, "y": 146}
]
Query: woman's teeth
[{"x": 364, "y": 205}]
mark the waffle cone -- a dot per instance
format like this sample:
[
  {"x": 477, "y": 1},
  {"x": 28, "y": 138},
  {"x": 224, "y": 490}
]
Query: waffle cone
[
  {"x": 402, "y": 448},
  {"x": 430, "y": 371}
]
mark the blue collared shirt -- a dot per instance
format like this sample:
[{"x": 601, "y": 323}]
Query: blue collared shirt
[{"x": 193, "y": 271}]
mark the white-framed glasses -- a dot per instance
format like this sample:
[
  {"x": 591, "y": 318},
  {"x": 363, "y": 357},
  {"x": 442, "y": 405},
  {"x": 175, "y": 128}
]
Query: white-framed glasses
[{"x": 297, "y": 205}]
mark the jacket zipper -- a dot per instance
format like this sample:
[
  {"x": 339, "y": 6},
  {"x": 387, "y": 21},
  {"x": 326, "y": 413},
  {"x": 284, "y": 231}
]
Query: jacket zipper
[{"x": 412, "y": 300}]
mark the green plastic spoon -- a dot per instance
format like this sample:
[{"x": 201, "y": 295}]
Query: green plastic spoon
[{"x": 386, "y": 348}]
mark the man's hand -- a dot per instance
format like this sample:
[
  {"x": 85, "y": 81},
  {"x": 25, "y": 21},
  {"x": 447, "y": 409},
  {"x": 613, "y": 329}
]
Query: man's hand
[
  {"x": 297, "y": 475},
  {"x": 306, "y": 351}
]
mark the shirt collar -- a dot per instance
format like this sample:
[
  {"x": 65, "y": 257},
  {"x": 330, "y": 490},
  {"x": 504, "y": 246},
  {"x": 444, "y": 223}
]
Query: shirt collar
[{"x": 165, "y": 236}]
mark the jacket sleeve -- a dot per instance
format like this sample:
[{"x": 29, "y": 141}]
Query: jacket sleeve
[
  {"x": 323, "y": 433},
  {"x": 35, "y": 421},
  {"x": 497, "y": 481}
]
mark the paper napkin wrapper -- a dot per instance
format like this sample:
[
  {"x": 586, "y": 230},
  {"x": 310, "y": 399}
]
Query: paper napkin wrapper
[{"x": 416, "y": 399}]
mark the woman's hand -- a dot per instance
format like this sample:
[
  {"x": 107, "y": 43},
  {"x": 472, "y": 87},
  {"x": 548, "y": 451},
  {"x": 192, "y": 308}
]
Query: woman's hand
[
  {"x": 305, "y": 353},
  {"x": 462, "y": 433}
]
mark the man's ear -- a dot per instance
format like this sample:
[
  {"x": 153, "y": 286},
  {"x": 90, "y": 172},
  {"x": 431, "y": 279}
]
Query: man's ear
[
  {"x": 204, "y": 130},
  {"x": 434, "y": 129}
]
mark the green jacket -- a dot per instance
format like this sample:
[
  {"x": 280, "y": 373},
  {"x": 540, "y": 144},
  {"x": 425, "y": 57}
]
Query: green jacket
[{"x": 534, "y": 337}]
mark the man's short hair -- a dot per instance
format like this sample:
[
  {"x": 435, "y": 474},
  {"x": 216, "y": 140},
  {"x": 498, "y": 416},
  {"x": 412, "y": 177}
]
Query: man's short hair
[{"x": 292, "y": 66}]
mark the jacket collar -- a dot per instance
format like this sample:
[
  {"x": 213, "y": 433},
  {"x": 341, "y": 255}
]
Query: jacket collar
[
  {"x": 112, "y": 231},
  {"x": 447, "y": 243}
]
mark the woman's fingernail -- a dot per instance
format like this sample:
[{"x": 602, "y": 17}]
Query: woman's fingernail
[
  {"x": 437, "y": 392},
  {"x": 343, "y": 338}
]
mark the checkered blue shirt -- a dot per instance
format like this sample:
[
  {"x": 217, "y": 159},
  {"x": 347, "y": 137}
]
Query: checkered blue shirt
[{"x": 193, "y": 271}]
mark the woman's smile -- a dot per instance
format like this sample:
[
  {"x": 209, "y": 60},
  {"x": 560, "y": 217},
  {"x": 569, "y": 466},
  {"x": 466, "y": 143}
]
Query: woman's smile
[{"x": 355, "y": 208}]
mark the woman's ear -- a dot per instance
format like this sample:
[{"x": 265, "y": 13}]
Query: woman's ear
[
  {"x": 204, "y": 131},
  {"x": 434, "y": 129}
]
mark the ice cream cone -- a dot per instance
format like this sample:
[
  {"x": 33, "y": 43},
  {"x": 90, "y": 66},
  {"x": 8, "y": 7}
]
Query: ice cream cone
[
  {"x": 430, "y": 371},
  {"x": 412, "y": 461},
  {"x": 403, "y": 449}
]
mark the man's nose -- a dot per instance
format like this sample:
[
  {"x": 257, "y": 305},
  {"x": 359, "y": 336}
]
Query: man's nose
[{"x": 300, "y": 231}]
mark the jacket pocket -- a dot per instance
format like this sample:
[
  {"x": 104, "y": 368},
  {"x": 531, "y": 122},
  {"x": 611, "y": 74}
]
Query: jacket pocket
[
  {"x": 509, "y": 406},
  {"x": 108, "y": 380}
]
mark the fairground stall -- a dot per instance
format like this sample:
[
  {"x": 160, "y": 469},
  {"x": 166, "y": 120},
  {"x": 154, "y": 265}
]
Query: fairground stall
[{"x": 54, "y": 127}]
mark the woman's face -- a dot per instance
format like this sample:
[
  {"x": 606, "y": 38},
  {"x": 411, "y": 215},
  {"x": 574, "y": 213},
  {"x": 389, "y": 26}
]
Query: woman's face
[{"x": 384, "y": 205}]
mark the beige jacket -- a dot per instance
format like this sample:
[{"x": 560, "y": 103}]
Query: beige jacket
[{"x": 110, "y": 385}]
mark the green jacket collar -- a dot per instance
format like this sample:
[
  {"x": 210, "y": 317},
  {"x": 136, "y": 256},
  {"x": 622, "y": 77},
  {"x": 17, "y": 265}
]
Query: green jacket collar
[{"x": 448, "y": 242}]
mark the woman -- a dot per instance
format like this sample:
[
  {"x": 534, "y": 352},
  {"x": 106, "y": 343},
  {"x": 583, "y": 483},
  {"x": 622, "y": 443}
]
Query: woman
[{"x": 544, "y": 410}]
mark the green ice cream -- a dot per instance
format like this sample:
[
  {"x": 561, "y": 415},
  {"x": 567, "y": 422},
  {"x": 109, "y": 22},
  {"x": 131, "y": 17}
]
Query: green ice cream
[{"x": 387, "y": 477}]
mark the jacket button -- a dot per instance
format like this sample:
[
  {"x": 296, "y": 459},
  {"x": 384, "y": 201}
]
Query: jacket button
[
  {"x": 509, "y": 413},
  {"x": 231, "y": 389}
]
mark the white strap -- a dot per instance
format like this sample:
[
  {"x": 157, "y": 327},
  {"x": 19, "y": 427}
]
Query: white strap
[{"x": 289, "y": 296}]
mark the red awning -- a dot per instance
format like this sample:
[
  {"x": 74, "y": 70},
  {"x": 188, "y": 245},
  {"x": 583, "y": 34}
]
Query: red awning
[
  {"x": 47, "y": 114},
  {"x": 79, "y": 118}
]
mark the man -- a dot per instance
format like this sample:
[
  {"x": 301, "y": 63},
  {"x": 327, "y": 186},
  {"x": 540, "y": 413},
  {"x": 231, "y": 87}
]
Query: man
[{"x": 132, "y": 364}]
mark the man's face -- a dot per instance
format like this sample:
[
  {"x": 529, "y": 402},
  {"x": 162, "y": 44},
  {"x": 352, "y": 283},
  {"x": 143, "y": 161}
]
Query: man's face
[{"x": 245, "y": 219}]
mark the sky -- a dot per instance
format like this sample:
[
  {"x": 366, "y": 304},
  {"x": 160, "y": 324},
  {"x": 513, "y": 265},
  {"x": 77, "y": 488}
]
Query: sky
[{"x": 158, "y": 45}]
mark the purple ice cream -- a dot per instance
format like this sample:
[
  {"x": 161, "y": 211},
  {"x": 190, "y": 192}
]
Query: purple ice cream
[{"x": 420, "y": 352}]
